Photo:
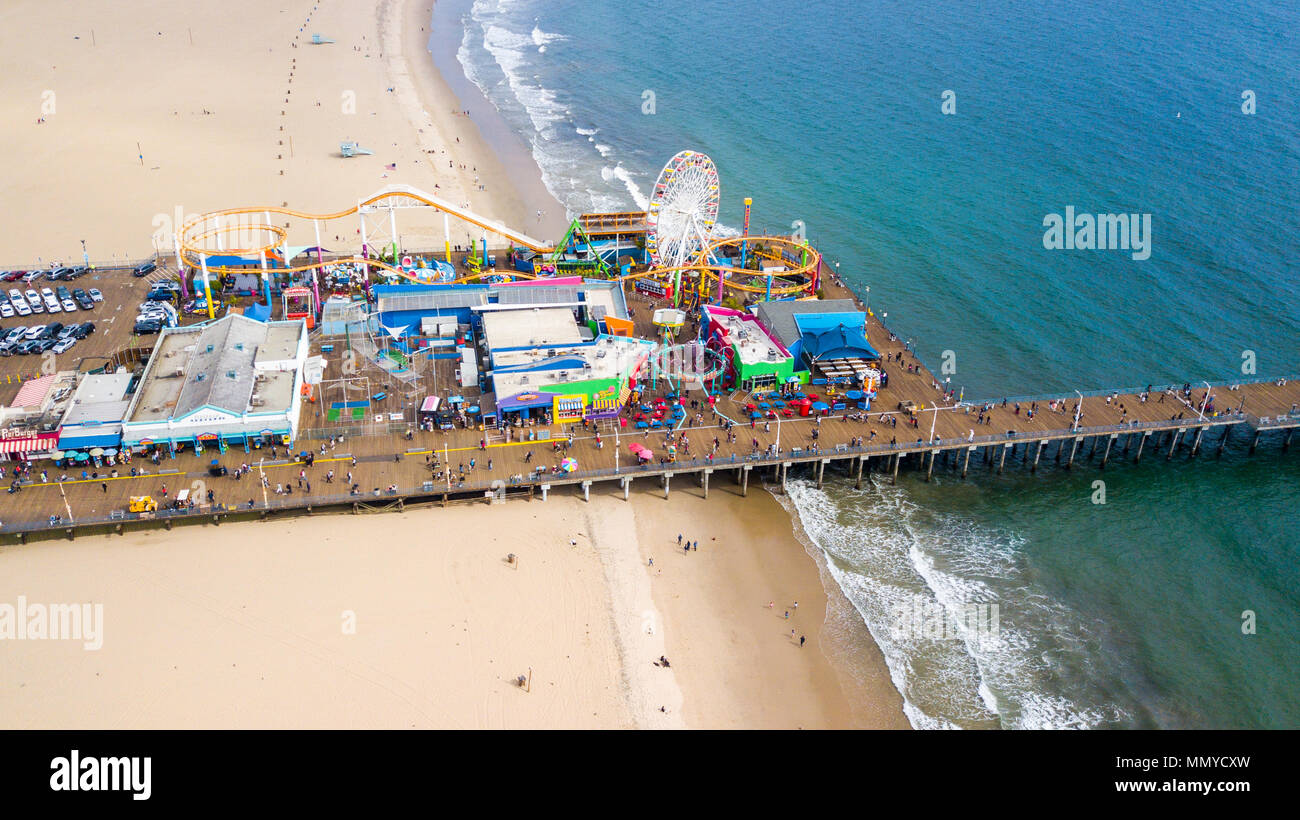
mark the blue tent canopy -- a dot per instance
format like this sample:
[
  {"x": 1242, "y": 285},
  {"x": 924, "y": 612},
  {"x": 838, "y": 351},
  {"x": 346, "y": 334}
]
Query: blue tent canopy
[
  {"x": 258, "y": 311},
  {"x": 839, "y": 342}
]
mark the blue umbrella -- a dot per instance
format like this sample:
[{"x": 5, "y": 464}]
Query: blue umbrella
[
  {"x": 820, "y": 405},
  {"x": 855, "y": 395},
  {"x": 755, "y": 415}
]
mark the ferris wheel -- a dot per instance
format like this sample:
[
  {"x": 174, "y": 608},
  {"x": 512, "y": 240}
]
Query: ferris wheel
[{"x": 682, "y": 210}]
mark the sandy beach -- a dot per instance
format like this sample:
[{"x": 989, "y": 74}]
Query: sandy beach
[
  {"x": 418, "y": 620},
  {"x": 127, "y": 117}
]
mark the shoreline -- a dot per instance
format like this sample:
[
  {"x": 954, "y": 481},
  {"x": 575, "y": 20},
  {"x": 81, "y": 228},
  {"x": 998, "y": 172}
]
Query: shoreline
[{"x": 239, "y": 615}]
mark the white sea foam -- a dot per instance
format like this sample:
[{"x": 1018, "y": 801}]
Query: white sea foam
[
  {"x": 885, "y": 551},
  {"x": 541, "y": 38}
]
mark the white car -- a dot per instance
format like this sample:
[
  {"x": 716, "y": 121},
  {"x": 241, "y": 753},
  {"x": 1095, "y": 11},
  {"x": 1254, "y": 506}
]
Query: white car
[
  {"x": 53, "y": 306},
  {"x": 46, "y": 293},
  {"x": 15, "y": 294},
  {"x": 15, "y": 334},
  {"x": 6, "y": 310},
  {"x": 33, "y": 298},
  {"x": 22, "y": 309},
  {"x": 33, "y": 332},
  {"x": 69, "y": 306},
  {"x": 65, "y": 345},
  {"x": 95, "y": 295}
]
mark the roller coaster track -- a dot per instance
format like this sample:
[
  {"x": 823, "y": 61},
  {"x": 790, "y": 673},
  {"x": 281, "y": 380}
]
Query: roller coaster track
[{"x": 192, "y": 236}]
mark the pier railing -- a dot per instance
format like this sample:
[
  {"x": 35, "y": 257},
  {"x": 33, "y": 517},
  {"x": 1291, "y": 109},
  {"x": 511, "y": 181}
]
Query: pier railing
[{"x": 469, "y": 489}]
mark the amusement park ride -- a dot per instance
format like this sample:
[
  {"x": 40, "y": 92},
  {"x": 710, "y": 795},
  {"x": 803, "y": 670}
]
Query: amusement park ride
[{"x": 687, "y": 262}]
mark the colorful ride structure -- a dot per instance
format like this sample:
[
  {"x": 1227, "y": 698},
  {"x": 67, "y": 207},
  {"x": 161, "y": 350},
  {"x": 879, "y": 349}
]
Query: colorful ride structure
[{"x": 686, "y": 263}]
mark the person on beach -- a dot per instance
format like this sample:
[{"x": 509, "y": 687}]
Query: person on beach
[{"x": 801, "y": 641}]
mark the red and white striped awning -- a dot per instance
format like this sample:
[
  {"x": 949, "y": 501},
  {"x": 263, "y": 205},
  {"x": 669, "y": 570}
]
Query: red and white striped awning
[
  {"x": 33, "y": 392},
  {"x": 30, "y": 444}
]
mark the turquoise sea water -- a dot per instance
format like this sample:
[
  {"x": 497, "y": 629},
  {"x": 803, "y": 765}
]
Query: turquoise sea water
[{"x": 1122, "y": 614}]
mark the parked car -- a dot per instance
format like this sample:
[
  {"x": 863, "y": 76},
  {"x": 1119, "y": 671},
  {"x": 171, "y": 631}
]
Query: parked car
[
  {"x": 31, "y": 276},
  {"x": 95, "y": 295},
  {"x": 56, "y": 273},
  {"x": 51, "y": 331},
  {"x": 64, "y": 345},
  {"x": 15, "y": 334},
  {"x": 145, "y": 268},
  {"x": 26, "y": 346},
  {"x": 22, "y": 309},
  {"x": 6, "y": 310},
  {"x": 52, "y": 305},
  {"x": 14, "y": 275},
  {"x": 42, "y": 345},
  {"x": 34, "y": 301},
  {"x": 34, "y": 332},
  {"x": 146, "y": 326},
  {"x": 7, "y": 348},
  {"x": 62, "y": 292},
  {"x": 84, "y": 329},
  {"x": 69, "y": 306}
]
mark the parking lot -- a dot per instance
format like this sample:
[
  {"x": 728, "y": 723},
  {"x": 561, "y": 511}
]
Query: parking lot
[{"x": 114, "y": 320}]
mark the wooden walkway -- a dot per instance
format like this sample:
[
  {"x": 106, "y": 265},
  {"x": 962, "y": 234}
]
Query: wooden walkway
[{"x": 1110, "y": 426}]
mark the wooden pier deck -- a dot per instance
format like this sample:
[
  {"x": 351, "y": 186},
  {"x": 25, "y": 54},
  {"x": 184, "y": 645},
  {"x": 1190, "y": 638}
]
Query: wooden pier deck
[{"x": 1111, "y": 426}]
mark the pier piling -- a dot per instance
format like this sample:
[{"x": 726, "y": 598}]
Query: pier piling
[
  {"x": 1073, "y": 448},
  {"x": 1106, "y": 455},
  {"x": 1142, "y": 442}
]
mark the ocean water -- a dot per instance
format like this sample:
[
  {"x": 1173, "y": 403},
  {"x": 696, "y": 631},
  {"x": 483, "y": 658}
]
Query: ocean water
[{"x": 1123, "y": 614}]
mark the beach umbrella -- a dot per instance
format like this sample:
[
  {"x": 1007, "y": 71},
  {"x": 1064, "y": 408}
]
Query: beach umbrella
[
  {"x": 81, "y": 457},
  {"x": 57, "y": 454},
  {"x": 98, "y": 451},
  {"x": 569, "y": 465},
  {"x": 111, "y": 451}
]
